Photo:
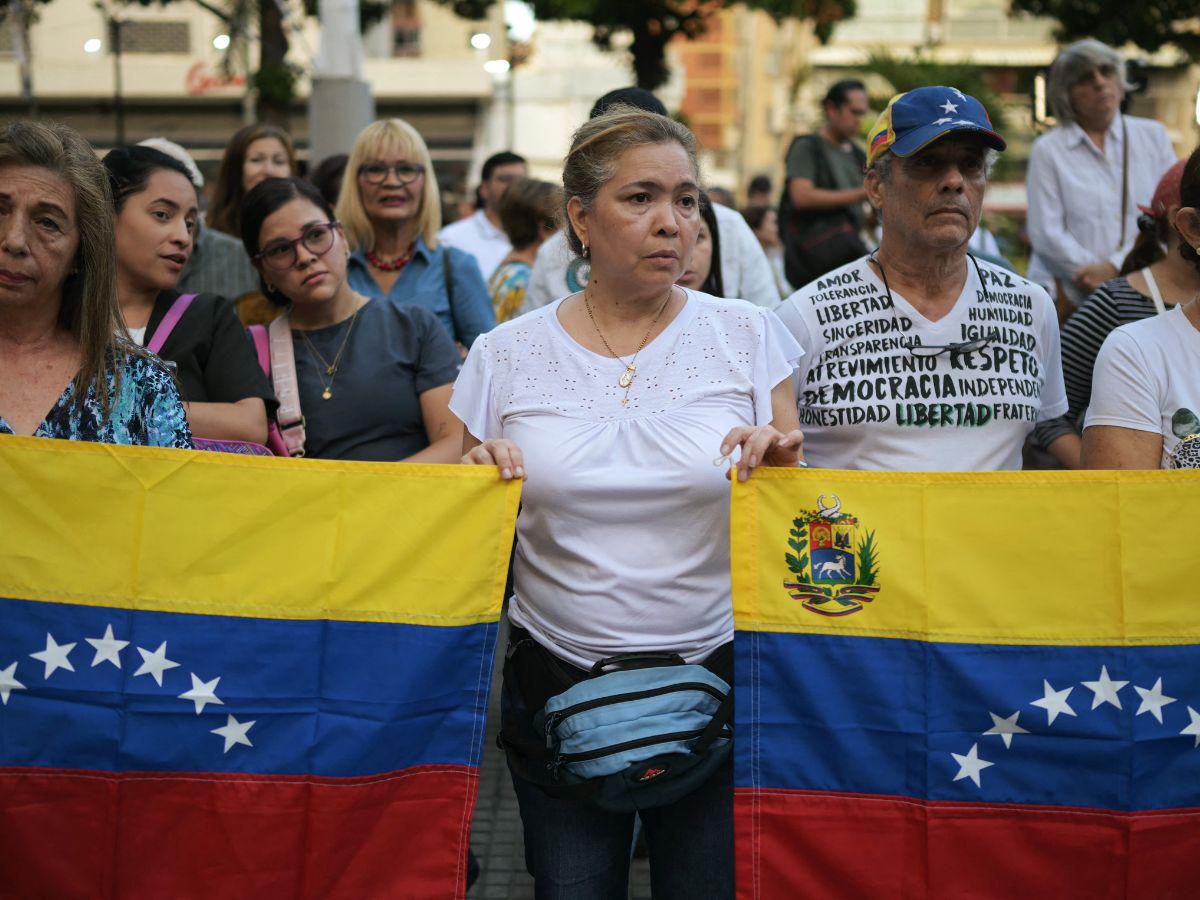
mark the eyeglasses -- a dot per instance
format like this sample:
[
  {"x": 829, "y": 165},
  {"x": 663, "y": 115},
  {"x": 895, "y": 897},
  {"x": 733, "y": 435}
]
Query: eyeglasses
[
  {"x": 281, "y": 255},
  {"x": 954, "y": 348},
  {"x": 377, "y": 172}
]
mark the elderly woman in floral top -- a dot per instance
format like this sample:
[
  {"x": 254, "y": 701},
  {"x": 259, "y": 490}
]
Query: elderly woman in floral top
[{"x": 67, "y": 370}]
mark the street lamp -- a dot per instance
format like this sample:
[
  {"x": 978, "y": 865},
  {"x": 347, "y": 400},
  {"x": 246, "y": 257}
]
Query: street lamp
[
  {"x": 92, "y": 45},
  {"x": 221, "y": 42},
  {"x": 481, "y": 40}
]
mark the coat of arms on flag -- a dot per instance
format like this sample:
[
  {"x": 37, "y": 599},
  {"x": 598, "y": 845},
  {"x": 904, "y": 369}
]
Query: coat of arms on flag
[
  {"x": 233, "y": 676},
  {"x": 833, "y": 560}
]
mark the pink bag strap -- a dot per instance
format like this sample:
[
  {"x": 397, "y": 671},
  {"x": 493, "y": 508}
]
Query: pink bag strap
[
  {"x": 287, "y": 390},
  {"x": 169, "y": 321}
]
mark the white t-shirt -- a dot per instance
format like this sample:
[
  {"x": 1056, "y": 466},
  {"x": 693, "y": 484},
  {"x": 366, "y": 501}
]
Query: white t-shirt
[
  {"x": 745, "y": 270},
  {"x": 623, "y": 536},
  {"x": 478, "y": 236},
  {"x": 1147, "y": 378},
  {"x": 138, "y": 335},
  {"x": 866, "y": 402}
]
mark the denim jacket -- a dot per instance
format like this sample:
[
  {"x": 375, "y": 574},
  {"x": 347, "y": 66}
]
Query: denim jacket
[{"x": 467, "y": 312}]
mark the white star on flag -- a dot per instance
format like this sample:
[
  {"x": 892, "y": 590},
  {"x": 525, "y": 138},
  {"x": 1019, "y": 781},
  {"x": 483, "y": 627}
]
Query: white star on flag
[
  {"x": 942, "y": 121},
  {"x": 9, "y": 683},
  {"x": 234, "y": 732},
  {"x": 54, "y": 656},
  {"x": 107, "y": 648},
  {"x": 1105, "y": 689},
  {"x": 1006, "y": 728},
  {"x": 154, "y": 664},
  {"x": 971, "y": 765},
  {"x": 1153, "y": 700},
  {"x": 1054, "y": 702},
  {"x": 949, "y": 108},
  {"x": 202, "y": 693},
  {"x": 1194, "y": 727}
]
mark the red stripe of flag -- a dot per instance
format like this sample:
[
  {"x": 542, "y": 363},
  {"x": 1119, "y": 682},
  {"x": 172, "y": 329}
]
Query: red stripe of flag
[
  {"x": 73, "y": 833},
  {"x": 811, "y": 844}
]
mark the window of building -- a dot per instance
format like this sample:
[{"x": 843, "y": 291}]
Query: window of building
[
  {"x": 406, "y": 28},
  {"x": 155, "y": 37}
]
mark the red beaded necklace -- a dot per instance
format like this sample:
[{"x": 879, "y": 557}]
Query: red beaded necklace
[{"x": 390, "y": 265}]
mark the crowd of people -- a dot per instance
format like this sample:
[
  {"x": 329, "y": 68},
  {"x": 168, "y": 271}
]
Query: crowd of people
[{"x": 605, "y": 340}]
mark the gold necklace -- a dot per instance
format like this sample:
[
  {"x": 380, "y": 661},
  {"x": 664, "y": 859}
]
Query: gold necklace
[
  {"x": 330, "y": 367},
  {"x": 626, "y": 379}
]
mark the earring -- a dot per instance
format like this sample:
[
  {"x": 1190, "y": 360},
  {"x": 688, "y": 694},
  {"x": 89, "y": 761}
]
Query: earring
[
  {"x": 585, "y": 251},
  {"x": 270, "y": 287}
]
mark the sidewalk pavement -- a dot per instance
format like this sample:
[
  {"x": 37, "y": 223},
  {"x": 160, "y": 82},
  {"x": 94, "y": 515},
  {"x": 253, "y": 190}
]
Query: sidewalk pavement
[{"x": 496, "y": 833}]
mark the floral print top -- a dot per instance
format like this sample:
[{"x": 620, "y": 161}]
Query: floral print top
[{"x": 146, "y": 410}]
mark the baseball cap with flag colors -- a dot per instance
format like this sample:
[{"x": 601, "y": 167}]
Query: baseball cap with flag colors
[{"x": 914, "y": 120}]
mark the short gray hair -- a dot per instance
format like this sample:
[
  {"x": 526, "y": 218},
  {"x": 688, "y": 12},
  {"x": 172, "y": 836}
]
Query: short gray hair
[
  {"x": 1072, "y": 63},
  {"x": 598, "y": 144},
  {"x": 883, "y": 164}
]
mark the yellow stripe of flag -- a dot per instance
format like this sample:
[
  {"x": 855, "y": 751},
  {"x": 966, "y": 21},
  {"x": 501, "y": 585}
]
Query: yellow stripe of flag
[
  {"x": 174, "y": 531},
  {"x": 972, "y": 557}
]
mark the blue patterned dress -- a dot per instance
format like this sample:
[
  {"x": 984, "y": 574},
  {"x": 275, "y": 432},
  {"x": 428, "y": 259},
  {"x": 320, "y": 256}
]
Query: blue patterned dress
[{"x": 147, "y": 410}]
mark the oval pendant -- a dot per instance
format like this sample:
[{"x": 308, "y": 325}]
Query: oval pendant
[
  {"x": 626, "y": 378},
  {"x": 326, "y": 394}
]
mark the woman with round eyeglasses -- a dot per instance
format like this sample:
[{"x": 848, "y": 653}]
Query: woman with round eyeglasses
[
  {"x": 373, "y": 377},
  {"x": 391, "y": 212}
]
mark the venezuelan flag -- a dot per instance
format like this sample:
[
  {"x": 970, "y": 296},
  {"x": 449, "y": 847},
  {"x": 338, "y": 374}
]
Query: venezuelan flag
[
  {"x": 968, "y": 685},
  {"x": 241, "y": 677}
]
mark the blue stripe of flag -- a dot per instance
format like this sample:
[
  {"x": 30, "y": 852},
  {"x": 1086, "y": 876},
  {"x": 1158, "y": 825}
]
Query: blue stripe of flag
[
  {"x": 888, "y": 716},
  {"x": 328, "y": 698}
]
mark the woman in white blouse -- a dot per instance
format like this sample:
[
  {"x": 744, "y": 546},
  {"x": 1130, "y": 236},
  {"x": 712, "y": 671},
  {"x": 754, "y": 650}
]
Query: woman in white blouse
[
  {"x": 1087, "y": 176},
  {"x": 612, "y": 403}
]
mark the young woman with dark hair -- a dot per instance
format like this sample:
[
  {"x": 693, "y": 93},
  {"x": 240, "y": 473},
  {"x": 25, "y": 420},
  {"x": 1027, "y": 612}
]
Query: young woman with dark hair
[
  {"x": 703, "y": 272},
  {"x": 225, "y": 393},
  {"x": 373, "y": 378}
]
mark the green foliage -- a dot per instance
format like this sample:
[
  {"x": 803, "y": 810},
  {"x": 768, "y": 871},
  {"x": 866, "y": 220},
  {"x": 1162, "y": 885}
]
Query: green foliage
[
  {"x": 867, "y": 560},
  {"x": 798, "y": 563},
  {"x": 917, "y": 70},
  {"x": 654, "y": 22},
  {"x": 1149, "y": 24},
  {"x": 276, "y": 84}
]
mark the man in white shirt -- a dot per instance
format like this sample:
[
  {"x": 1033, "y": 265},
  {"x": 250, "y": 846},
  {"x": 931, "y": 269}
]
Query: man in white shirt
[
  {"x": 745, "y": 269},
  {"x": 920, "y": 357},
  {"x": 1087, "y": 177},
  {"x": 480, "y": 233}
]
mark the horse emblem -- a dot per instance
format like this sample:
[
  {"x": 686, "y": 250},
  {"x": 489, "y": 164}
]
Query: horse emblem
[{"x": 834, "y": 561}]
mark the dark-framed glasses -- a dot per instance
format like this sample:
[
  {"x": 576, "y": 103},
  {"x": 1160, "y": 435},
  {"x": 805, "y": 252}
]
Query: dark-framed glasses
[
  {"x": 281, "y": 255},
  {"x": 377, "y": 172},
  {"x": 954, "y": 348}
]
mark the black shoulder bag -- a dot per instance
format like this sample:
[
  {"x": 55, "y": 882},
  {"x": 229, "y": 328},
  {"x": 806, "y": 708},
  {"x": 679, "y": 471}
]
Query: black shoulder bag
[{"x": 817, "y": 241}]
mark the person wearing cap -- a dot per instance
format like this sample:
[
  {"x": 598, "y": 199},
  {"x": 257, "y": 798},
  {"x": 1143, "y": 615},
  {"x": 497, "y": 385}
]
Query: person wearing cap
[
  {"x": 919, "y": 356},
  {"x": 744, "y": 266},
  {"x": 218, "y": 264},
  {"x": 1087, "y": 176},
  {"x": 1154, "y": 278}
]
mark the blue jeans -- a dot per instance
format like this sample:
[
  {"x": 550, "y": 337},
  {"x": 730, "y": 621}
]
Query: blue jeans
[{"x": 575, "y": 850}]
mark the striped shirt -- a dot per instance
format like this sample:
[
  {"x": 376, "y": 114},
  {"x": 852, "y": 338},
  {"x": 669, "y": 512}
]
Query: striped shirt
[{"x": 1113, "y": 304}]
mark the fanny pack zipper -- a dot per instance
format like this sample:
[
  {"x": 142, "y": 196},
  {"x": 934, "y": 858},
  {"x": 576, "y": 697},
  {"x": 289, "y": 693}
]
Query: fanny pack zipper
[
  {"x": 554, "y": 718},
  {"x": 567, "y": 758}
]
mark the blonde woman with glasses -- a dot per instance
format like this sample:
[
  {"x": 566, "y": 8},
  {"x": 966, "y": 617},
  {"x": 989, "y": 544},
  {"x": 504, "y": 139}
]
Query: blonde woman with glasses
[{"x": 391, "y": 211}]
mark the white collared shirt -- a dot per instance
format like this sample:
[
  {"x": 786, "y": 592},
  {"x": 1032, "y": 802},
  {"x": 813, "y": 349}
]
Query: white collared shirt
[
  {"x": 1075, "y": 192},
  {"x": 479, "y": 237}
]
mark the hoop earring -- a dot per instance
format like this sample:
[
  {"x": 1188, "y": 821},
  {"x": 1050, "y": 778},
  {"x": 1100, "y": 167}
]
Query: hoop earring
[{"x": 585, "y": 251}]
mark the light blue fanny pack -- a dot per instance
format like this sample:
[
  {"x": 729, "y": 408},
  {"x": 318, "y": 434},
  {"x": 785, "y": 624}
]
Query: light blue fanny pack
[{"x": 642, "y": 736}]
